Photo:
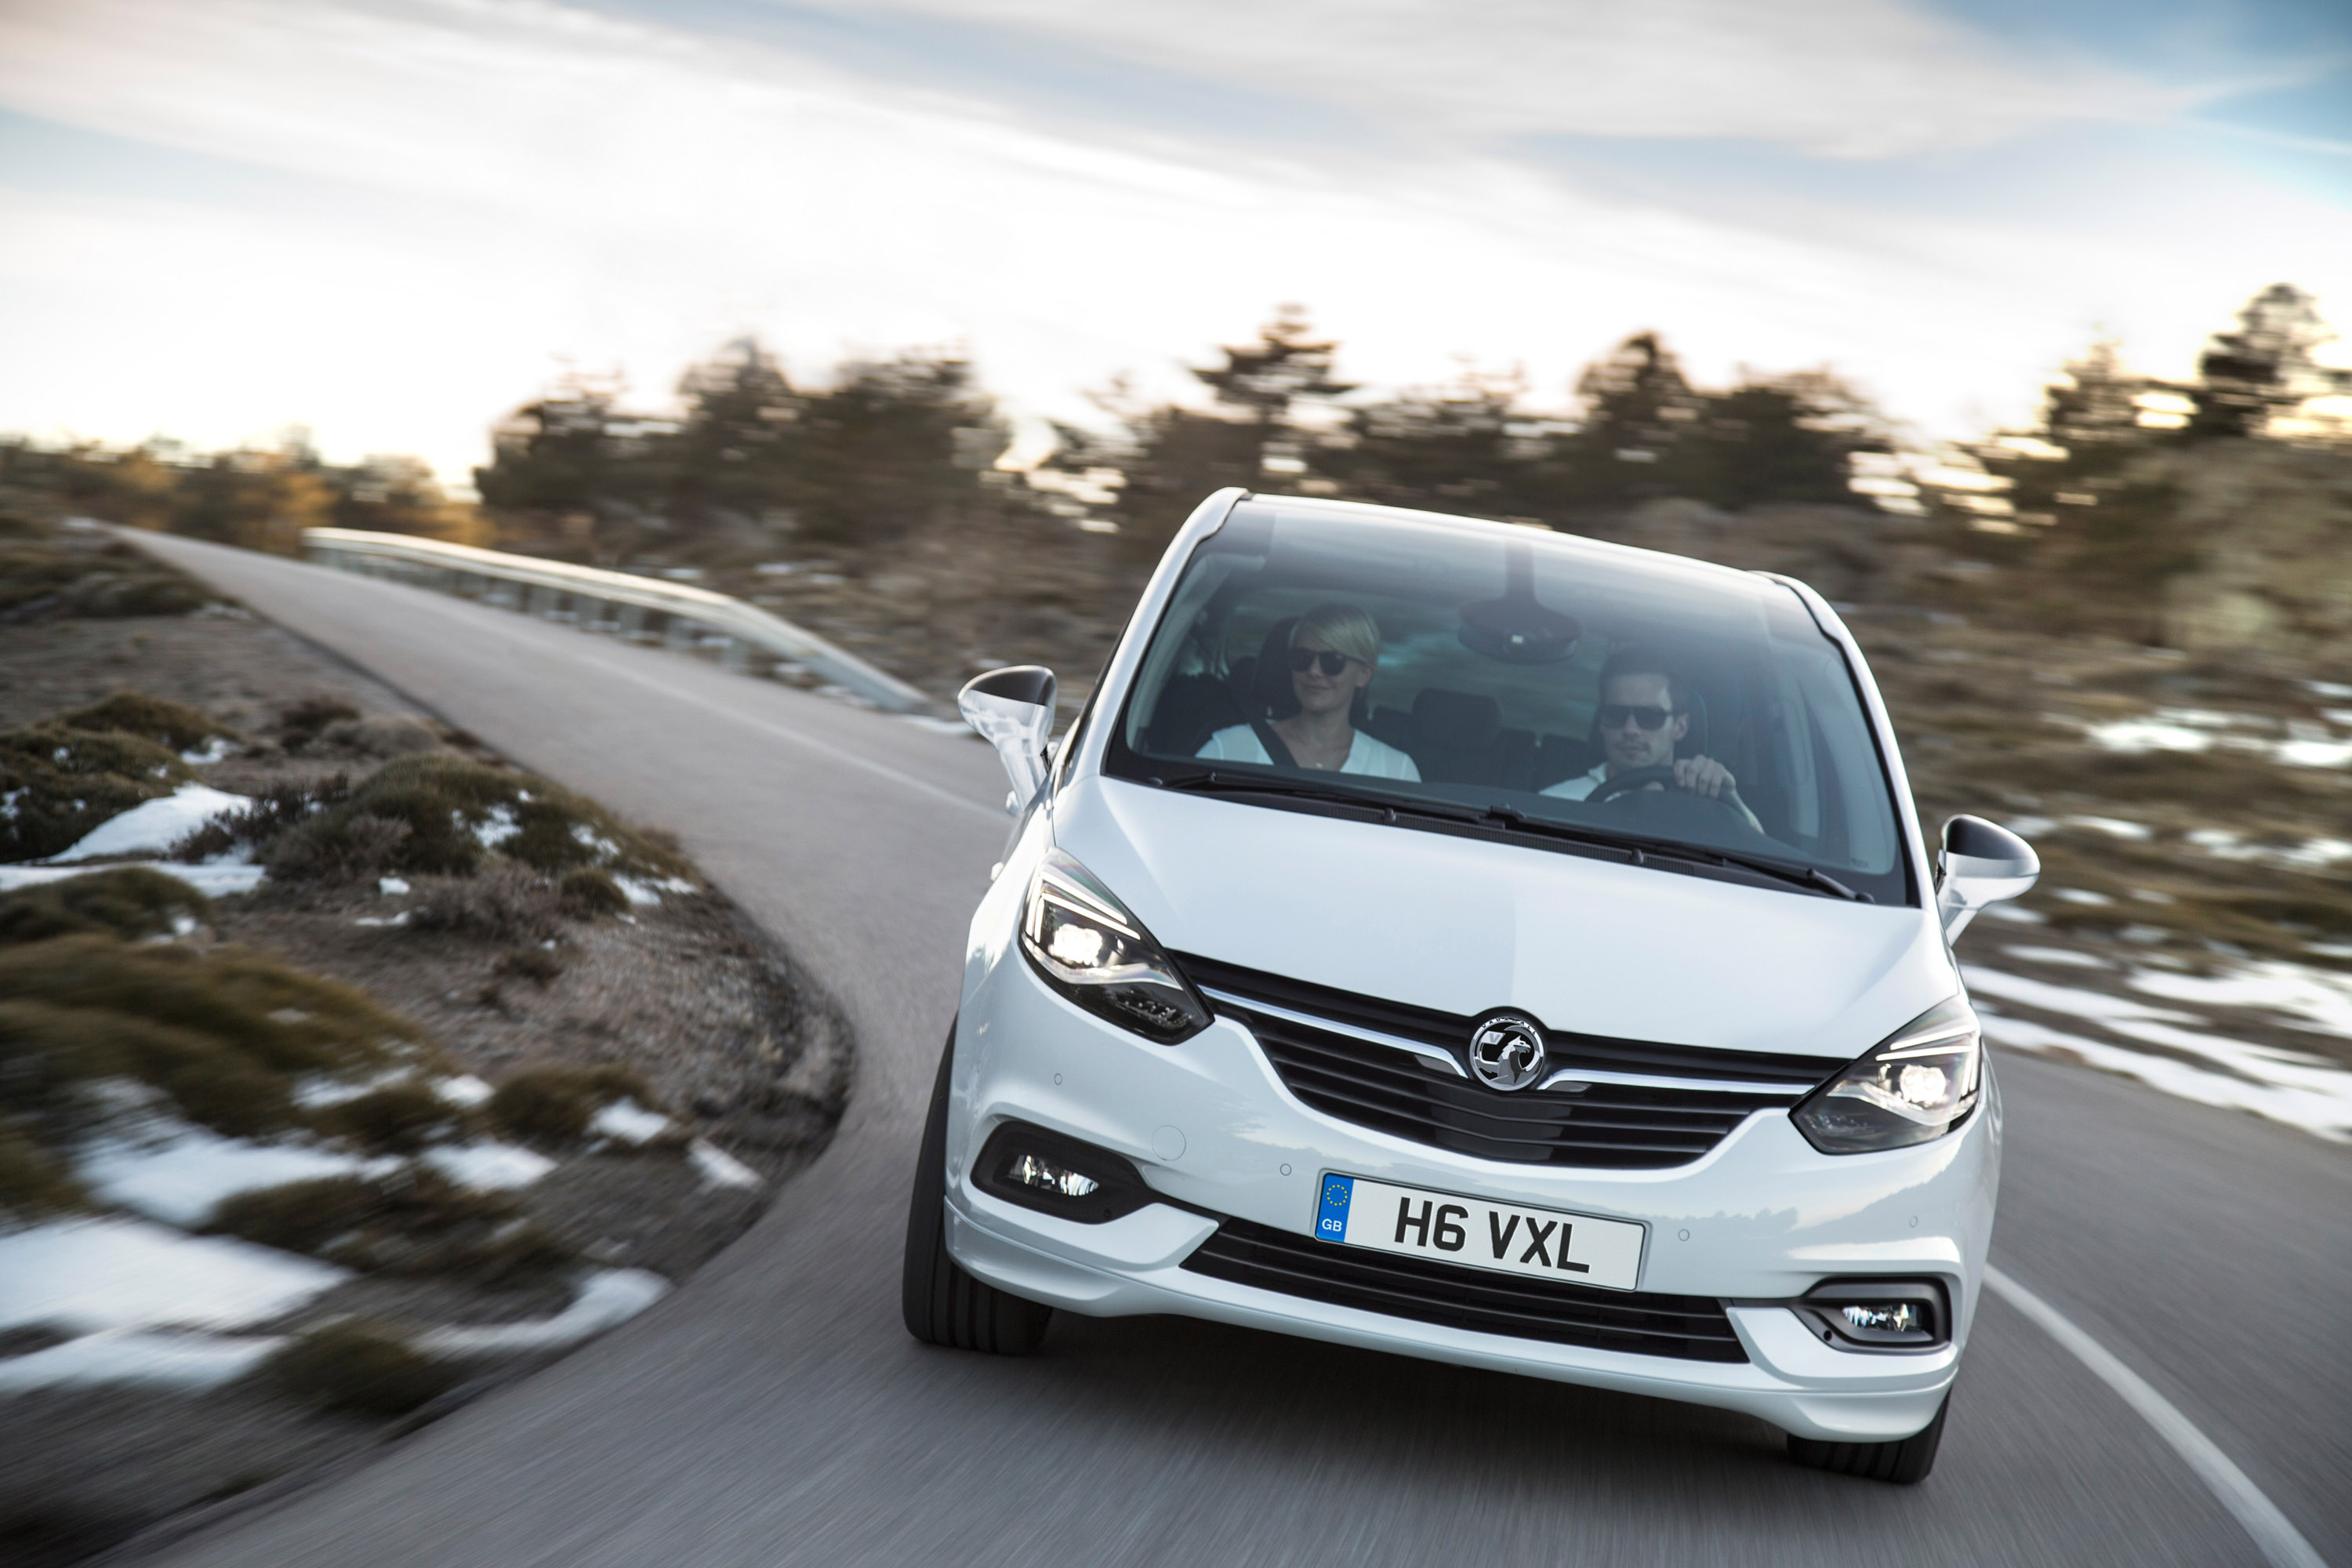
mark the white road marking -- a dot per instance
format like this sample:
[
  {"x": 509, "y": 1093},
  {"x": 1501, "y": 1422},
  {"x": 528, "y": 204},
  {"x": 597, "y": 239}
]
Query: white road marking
[{"x": 2280, "y": 1542}]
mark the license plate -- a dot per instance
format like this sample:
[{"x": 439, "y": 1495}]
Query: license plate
[{"x": 1540, "y": 1244}]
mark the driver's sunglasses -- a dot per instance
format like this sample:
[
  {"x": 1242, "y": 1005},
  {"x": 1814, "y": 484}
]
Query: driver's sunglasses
[
  {"x": 1332, "y": 661},
  {"x": 1614, "y": 714}
]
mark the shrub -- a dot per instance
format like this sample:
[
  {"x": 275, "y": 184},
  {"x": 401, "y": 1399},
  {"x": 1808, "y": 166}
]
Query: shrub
[
  {"x": 340, "y": 846},
  {"x": 459, "y": 810},
  {"x": 299, "y": 723},
  {"x": 356, "y": 1368},
  {"x": 128, "y": 901},
  {"x": 506, "y": 903},
  {"x": 151, "y": 718},
  {"x": 412, "y": 1222},
  {"x": 553, "y": 1105},
  {"x": 57, "y": 783},
  {"x": 46, "y": 576},
  {"x": 222, "y": 1035},
  {"x": 398, "y": 1118},
  {"x": 535, "y": 964},
  {"x": 33, "y": 1181},
  {"x": 273, "y": 812},
  {"x": 385, "y": 735},
  {"x": 588, "y": 892}
]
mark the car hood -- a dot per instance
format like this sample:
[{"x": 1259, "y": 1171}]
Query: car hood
[{"x": 1466, "y": 925}]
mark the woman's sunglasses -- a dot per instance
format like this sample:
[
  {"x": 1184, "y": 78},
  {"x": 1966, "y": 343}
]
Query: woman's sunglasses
[
  {"x": 1614, "y": 714},
  {"x": 1330, "y": 660}
]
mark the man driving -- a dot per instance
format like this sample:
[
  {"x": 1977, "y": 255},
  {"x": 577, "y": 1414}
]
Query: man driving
[{"x": 1642, "y": 718}]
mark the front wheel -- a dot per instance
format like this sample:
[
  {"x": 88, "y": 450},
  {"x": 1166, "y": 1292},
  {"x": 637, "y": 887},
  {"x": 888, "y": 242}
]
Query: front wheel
[
  {"x": 943, "y": 1305},
  {"x": 1904, "y": 1462}
]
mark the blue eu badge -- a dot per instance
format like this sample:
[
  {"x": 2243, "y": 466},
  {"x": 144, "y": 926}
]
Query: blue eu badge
[{"x": 1331, "y": 1223}]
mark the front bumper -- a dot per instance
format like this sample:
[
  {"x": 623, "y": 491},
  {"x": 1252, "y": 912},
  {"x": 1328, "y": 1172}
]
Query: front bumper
[{"x": 1760, "y": 1218}]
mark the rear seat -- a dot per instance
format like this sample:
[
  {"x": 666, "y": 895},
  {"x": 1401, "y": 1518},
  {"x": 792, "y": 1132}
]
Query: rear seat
[{"x": 1457, "y": 737}]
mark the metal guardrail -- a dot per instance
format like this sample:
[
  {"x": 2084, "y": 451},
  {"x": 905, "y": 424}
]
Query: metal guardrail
[{"x": 614, "y": 602}]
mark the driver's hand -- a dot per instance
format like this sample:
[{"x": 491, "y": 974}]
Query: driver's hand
[{"x": 1704, "y": 775}]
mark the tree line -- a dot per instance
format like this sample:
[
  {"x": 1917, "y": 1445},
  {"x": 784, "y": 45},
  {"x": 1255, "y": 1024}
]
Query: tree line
[{"x": 756, "y": 462}]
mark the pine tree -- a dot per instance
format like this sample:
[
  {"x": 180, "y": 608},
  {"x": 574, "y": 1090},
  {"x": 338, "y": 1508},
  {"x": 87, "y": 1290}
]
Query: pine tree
[{"x": 2265, "y": 368}]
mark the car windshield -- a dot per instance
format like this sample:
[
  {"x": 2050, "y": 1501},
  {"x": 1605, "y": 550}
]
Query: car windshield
[{"x": 1549, "y": 680}]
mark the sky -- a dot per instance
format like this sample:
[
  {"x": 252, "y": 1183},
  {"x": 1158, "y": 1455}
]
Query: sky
[{"x": 390, "y": 222}]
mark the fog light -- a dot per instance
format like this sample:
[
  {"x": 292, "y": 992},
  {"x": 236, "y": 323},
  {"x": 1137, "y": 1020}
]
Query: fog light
[
  {"x": 1883, "y": 1317},
  {"x": 1032, "y": 1172}
]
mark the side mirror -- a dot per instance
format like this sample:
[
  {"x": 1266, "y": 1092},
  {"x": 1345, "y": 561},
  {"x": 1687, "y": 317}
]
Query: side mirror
[
  {"x": 1012, "y": 710},
  {"x": 1983, "y": 863}
]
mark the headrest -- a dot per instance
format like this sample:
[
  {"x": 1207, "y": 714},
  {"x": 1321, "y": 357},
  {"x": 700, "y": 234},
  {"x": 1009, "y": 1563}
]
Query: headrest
[
  {"x": 1275, "y": 699},
  {"x": 1460, "y": 721}
]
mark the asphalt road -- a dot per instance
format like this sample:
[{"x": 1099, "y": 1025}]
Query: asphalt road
[{"x": 773, "y": 1410}]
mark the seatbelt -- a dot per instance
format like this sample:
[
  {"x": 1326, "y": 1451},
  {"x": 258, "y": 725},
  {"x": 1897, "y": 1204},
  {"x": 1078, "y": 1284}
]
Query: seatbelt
[{"x": 1274, "y": 750}]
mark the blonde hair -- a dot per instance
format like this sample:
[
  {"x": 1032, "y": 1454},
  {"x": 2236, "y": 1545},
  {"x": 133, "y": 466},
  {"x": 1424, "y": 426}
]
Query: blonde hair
[{"x": 1346, "y": 628}]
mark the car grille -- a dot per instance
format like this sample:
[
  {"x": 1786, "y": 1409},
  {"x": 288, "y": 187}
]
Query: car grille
[
  {"x": 1630, "y": 1104},
  {"x": 1687, "y": 1327}
]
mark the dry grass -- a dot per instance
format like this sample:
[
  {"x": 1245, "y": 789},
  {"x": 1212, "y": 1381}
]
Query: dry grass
[
  {"x": 171, "y": 724},
  {"x": 357, "y": 1368},
  {"x": 128, "y": 901},
  {"x": 551, "y": 1105},
  {"x": 221, "y": 1038},
  {"x": 57, "y": 783},
  {"x": 504, "y": 904},
  {"x": 411, "y": 1223},
  {"x": 48, "y": 574}
]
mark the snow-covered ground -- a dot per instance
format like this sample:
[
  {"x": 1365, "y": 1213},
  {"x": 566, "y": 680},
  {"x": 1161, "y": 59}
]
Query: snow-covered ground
[
  {"x": 2195, "y": 1056},
  {"x": 152, "y": 827}
]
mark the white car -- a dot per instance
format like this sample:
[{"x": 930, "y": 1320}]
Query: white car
[{"x": 1485, "y": 945}]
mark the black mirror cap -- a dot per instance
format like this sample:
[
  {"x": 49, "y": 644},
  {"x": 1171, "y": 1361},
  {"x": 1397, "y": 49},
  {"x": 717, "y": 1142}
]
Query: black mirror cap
[
  {"x": 1974, "y": 838},
  {"x": 1029, "y": 683}
]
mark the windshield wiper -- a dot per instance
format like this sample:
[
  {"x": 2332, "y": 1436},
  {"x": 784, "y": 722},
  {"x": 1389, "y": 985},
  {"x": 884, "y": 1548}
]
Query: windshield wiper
[
  {"x": 1215, "y": 783},
  {"x": 1636, "y": 845}
]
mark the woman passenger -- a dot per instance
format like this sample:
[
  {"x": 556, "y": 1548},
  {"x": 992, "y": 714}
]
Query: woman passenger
[{"x": 1334, "y": 650}]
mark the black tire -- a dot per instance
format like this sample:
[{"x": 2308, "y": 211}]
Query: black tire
[
  {"x": 943, "y": 1305},
  {"x": 1904, "y": 1462}
]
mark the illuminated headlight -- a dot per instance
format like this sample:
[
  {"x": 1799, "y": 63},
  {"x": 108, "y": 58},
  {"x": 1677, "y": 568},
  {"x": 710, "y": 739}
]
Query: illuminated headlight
[
  {"x": 1917, "y": 1086},
  {"x": 1086, "y": 945}
]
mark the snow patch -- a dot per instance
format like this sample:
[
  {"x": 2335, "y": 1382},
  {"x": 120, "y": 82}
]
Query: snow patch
[
  {"x": 2320, "y": 1000},
  {"x": 2303, "y": 1090},
  {"x": 718, "y": 1168},
  {"x": 152, "y": 826},
  {"x": 181, "y": 1176},
  {"x": 213, "y": 879},
  {"x": 626, "y": 1121},
  {"x": 2065, "y": 956},
  {"x": 213, "y": 751},
  {"x": 608, "y": 1299},
  {"x": 497, "y": 828},
  {"x": 2325, "y": 1111},
  {"x": 465, "y": 1089},
  {"x": 489, "y": 1166},
  {"x": 648, "y": 890},
  {"x": 112, "y": 1274},
  {"x": 125, "y": 1355},
  {"x": 391, "y": 887}
]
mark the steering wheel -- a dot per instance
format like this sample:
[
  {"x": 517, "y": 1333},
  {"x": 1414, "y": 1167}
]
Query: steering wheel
[
  {"x": 1642, "y": 778},
  {"x": 1639, "y": 778}
]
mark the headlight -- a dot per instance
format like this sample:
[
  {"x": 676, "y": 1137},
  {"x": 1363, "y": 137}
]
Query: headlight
[
  {"x": 1917, "y": 1085},
  {"x": 1086, "y": 945}
]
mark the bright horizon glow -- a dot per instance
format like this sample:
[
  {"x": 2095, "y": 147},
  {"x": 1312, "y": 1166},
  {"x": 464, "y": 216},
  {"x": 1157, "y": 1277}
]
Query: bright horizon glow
[{"x": 393, "y": 223}]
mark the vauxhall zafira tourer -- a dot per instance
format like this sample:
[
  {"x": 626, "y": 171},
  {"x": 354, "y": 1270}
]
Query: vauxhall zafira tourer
[{"x": 1476, "y": 943}]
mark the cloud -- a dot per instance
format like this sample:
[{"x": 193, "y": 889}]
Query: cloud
[
  {"x": 1847, "y": 78},
  {"x": 489, "y": 184}
]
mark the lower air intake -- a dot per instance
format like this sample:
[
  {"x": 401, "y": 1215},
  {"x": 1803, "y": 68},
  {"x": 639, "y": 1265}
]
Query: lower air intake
[{"x": 1685, "y": 1328}]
